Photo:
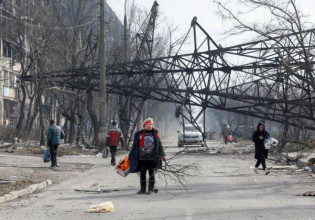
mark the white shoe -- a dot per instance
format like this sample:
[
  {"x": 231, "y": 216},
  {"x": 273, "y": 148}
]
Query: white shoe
[
  {"x": 256, "y": 170},
  {"x": 267, "y": 172}
]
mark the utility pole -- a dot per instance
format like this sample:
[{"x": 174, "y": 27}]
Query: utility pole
[
  {"x": 123, "y": 99},
  {"x": 125, "y": 34},
  {"x": 102, "y": 107}
]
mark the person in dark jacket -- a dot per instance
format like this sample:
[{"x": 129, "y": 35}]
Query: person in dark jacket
[
  {"x": 146, "y": 154},
  {"x": 113, "y": 137},
  {"x": 226, "y": 132},
  {"x": 261, "y": 153},
  {"x": 54, "y": 135}
]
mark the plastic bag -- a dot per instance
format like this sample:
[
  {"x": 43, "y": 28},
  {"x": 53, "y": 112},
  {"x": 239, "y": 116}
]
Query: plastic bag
[
  {"x": 105, "y": 152},
  {"x": 102, "y": 207},
  {"x": 229, "y": 138},
  {"x": 267, "y": 143},
  {"x": 273, "y": 141},
  {"x": 47, "y": 156},
  {"x": 270, "y": 142}
]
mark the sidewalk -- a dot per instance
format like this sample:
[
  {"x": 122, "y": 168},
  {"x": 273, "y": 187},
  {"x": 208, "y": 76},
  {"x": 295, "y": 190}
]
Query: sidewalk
[{"x": 224, "y": 188}]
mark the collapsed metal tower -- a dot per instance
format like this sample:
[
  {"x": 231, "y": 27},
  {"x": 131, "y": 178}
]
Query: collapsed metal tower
[
  {"x": 269, "y": 78},
  {"x": 250, "y": 78}
]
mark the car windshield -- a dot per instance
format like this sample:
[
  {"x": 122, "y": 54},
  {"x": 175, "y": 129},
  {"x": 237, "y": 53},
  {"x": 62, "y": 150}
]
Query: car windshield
[{"x": 190, "y": 128}]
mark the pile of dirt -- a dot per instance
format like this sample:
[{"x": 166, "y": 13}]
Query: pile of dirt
[{"x": 14, "y": 185}]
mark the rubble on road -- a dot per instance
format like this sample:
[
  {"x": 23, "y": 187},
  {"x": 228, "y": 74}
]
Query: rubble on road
[{"x": 309, "y": 193}]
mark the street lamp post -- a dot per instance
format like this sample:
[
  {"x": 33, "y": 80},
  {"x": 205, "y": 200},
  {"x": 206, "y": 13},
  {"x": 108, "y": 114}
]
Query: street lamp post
[
  {"x": 122, "y": 101},
  {"x": 125, "y": 34},
  {"x": 102, "y": 106}
]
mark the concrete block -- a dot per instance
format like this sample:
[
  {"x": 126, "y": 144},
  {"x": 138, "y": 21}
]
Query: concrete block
[
  {"x": 13, "y": 196},
  {"x": 2, "y": 199},
  {"x": 16, "y": 193},
  {"x": 8, "y": 197},
  {"x": 28, "y": 190},
  {"x": 33, "y": 188}
]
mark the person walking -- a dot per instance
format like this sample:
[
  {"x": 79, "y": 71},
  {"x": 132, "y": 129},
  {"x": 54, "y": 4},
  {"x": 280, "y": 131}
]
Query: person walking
[
  {"x": 261, "y": 153},
  {"x": 54, "y": 135},
  {"x": 114, "y": 135},
  {"x": 226, "y": 132},
  {"x": 146, "y": 154}
]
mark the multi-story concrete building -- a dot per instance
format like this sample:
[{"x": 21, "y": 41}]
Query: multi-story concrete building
[{"x": 9, "y": 66}]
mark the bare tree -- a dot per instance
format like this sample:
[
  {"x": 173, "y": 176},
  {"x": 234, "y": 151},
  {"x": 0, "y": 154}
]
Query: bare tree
[
  {"x": 284, "y": 17},
  {"x": 280, "y": 18}
]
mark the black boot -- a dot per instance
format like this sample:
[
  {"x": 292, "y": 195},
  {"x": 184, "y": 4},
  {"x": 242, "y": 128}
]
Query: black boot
[
  {"x": 151, "y": 187},
  {"x": 143, "y": 185}
]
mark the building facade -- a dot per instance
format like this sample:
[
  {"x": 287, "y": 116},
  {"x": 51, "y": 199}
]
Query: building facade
[{"x": 9, "y": 66}]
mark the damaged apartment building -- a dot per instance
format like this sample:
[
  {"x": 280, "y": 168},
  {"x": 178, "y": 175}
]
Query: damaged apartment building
[{"x": 9, "y": 66}]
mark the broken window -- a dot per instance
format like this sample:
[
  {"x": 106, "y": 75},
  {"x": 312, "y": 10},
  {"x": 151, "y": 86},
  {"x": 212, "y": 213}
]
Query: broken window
[
  {"x": 7, "y": 49},
  {"x": 11, "y": 80},
  {"x": 6, "y": 78}
]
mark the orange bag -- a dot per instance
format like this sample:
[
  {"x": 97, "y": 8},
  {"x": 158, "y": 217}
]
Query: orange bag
[
  {"x": 123, "y": 167},
  {"x": 230, "y": 138}
]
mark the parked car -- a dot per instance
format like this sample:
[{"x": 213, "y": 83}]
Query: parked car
[{"x": 193, "y": 137}]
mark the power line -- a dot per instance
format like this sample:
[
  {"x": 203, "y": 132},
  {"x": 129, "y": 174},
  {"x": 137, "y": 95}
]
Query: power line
[{"x": 53, "y": 28}]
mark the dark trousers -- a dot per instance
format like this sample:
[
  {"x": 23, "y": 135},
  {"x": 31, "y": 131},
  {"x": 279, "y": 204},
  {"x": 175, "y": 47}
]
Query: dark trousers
[
  {"x": 113, "y": 154},
  {"x": 53, "y": 154},
  {"x": 261, "y": 160},
  {"x": 144, "y": 166}
]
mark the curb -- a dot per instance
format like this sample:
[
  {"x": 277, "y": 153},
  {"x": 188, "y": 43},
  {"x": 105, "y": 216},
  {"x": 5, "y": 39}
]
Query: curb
[{"x": 28, "y": 190}]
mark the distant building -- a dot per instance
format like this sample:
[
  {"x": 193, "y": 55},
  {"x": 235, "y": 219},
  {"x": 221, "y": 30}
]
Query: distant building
[{"x": 9, "y": 67}]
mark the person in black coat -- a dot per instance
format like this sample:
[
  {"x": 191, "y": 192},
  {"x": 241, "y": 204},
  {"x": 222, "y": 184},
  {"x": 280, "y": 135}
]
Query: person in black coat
[
  {"x": 146, "y": 154},
  {"x": 261, "y": 153}
]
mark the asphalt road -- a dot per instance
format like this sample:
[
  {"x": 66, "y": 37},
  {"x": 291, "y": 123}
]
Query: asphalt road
[{"x": 224, "y": 187}]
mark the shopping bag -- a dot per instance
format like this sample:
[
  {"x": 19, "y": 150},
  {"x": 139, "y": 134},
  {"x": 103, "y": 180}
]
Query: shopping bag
[
  {"x": 270, "y": 142},
  {"x": 273, "y": 141},
  {"x": 123, "y": 167},
  {"x": 230, "y": 138},
  {"x": 105, "y": 152},
  {"x": 47, "y": 156},
  {"x": 267, "y": 143}
]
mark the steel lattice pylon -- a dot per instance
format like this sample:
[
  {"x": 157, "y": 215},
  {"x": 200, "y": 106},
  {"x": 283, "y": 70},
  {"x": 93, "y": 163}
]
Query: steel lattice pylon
[{"x": 251, "y": 78}]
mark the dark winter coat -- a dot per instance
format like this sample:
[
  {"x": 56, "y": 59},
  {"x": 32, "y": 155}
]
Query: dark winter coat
[
  {"x": 226, "y": 131},
  {"x": 259, "y": 144},
  {"x": 54, "y": 135},
  {"x": 158, "y": 152}
]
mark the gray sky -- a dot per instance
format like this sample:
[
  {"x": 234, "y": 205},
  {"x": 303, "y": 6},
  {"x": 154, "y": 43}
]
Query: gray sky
[{"x": 181, "y": 12}]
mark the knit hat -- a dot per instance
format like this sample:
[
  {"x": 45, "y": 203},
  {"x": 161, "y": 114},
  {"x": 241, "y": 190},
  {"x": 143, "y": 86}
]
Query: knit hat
[{"x": 147, "y": 121}]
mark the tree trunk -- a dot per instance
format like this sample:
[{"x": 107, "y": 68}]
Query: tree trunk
[
  {"x": 65, "y": 129},
  {"x": 71, "y": 130},
  {"x": 93, "y": 116},
  {"x": 29, "y": 115},
  {"x": 22, "y": 114},
  {"x": 32, "y": 117},
  {"x": 41, "y": 118}
]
